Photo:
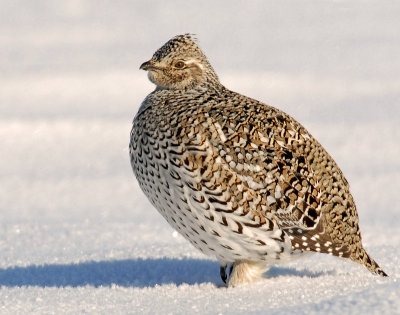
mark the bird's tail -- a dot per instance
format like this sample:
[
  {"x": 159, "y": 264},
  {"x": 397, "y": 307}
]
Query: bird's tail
[{"x": 363, "y": 258}]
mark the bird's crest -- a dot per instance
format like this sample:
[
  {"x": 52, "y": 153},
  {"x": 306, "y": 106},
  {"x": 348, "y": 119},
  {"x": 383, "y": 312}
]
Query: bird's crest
[{"x": 184, "y": 42}]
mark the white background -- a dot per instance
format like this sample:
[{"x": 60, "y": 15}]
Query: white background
[{"x": 76, "y": 233}]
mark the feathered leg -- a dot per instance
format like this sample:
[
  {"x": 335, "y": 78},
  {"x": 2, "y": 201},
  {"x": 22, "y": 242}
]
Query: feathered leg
[{"x": 246, "y": 272}]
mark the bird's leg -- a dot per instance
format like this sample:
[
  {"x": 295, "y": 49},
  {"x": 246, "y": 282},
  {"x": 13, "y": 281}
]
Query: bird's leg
[
  {"x": 222, "y": 272},
  {"x": 246, "y": 272}
]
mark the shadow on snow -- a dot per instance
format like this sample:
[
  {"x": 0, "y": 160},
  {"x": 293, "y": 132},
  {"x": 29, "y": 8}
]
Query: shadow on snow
[{"x": 127, "y": 273}]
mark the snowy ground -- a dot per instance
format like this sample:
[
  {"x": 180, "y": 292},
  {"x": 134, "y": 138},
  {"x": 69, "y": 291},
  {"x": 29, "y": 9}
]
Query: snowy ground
[{"x": 76, "y": 233}]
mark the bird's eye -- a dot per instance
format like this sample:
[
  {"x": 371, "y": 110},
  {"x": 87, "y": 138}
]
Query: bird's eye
[{"x": 179, "y": 65}]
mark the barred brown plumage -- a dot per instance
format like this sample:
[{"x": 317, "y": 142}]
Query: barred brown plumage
[{"x": 241, "y": 180}]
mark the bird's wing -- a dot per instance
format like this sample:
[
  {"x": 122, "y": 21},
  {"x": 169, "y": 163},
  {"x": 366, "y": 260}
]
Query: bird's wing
[{"x": 271, "y": 154}]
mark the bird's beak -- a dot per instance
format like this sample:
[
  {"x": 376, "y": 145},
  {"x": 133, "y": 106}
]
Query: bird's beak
[{"x": 147, "y": 65}]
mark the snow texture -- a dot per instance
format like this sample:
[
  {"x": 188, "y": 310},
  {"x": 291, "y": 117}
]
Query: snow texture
[{"x": 76, "y": 233}]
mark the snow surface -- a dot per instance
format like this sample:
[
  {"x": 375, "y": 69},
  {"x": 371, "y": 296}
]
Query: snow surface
[{"x": 76, "y": 233}]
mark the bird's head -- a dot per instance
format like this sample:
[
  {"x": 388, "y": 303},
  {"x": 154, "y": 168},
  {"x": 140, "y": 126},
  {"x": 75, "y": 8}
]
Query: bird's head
[{"x": 179, "y": 64}]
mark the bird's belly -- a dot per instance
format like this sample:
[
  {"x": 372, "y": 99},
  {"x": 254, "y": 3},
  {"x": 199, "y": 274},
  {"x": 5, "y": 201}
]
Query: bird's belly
[{"x": 185, "y": 203}]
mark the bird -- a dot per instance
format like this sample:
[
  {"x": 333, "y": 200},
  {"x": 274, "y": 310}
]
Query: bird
[{"x": 241, "y": 180}]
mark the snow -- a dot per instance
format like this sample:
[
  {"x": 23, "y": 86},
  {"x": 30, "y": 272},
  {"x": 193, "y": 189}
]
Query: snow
[{"x": 76, "y": 233}]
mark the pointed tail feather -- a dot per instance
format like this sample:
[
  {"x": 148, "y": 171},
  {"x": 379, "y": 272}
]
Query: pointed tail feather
[{"x": 366, "y": 260}]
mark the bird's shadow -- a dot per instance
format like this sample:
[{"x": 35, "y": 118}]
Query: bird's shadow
[
  {"x": 127, "y": 273},
  {"x": 275, "y": 272}
]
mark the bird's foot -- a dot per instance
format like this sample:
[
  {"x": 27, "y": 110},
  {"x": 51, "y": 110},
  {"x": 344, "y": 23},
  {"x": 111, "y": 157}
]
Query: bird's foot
[{"x": 222, "y": 272}]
